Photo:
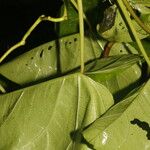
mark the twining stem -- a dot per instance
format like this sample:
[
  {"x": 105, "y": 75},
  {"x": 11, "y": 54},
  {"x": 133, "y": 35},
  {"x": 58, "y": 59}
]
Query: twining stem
[
  {"x": 84, "y": 16},
  {"x": 143, "y": 26},
  {"x": 129, "y": 21},
  {"x": 36, "y": 23},
  {"x": 81, "y": 28}
]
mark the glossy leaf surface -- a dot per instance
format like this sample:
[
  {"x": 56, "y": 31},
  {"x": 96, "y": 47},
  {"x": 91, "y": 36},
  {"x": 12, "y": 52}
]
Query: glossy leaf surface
[
  {"x": 49, "y": 115},
  {"x": 49, "y": 60},
  {"x": 119, "y": 74},
  {"x": 123, "y": 124}
]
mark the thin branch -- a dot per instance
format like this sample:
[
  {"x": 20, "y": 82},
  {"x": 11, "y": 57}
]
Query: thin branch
[
  {"x": 107, "y": 49},
  {"x": 81, "y": 27},
  {"x": 129, "y": 21},
  {"x": 84, "y": 16},
  {"x": 27, "y": 34},
  {"x": 143, "y": 26}
]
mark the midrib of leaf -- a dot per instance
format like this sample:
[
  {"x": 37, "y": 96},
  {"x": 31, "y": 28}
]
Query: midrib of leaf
[{"x": 77, "y": 112}]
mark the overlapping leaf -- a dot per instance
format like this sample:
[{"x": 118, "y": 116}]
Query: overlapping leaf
[
  {"x": 123, "y": 125},
  {"x": 52, "y": 114},
  {"x": 48, "y": 60},
  {"x": 141, "y": 5},
  {"x": 129, "y": 48},
  {"x": 119, "y": 74},
  {"x": 49, "y": 115},
  {"x": 91, "y": 8},
  {"x": 119, "y": 31}
]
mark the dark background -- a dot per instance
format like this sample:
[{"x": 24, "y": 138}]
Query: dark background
[{"x": 16, "y": 16}]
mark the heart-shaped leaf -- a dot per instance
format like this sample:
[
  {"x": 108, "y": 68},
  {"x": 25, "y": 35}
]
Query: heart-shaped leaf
[{"x": 51, "y": 115}]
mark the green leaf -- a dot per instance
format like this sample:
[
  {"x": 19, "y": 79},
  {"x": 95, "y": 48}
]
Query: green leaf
[
  {"x": 123, "y": 124},
  {"x": 50, "y": 115},
  {"x": 49, "y": 60},
  {"x": 129, "y": 48},
  {"x": 91, "y": 8},
  {"x": 145, "y": 43},
  {"x": 124, "y": 48},
  {"x": 119, "y": 31},
  {"x": 141, "y": 5},
  {"x": 120, "y": 74}
]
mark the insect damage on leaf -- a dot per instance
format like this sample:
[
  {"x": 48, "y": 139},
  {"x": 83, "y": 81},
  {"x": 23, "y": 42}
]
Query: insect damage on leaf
[
  {"x": 41, "y": 54},
  {"x": 114, "y": 27},
  {"x": 143, "y": 125}
]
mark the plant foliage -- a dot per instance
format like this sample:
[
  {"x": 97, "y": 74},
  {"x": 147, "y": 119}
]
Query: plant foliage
[{"x": 88, "y": 89}]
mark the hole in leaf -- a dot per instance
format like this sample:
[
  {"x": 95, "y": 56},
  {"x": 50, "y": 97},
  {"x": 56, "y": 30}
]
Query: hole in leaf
[
  {"x": 41, "y": 54},
  {"x": 50, "y": 47},
  {"x": 123, "y": 28},
  {"x": 75, "y": 39},
  {"x": 120, "y": 23},
  {"x": 66, "y": 43}
]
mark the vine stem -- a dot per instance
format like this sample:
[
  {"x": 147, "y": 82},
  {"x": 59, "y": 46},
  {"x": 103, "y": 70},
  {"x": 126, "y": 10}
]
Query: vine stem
[
  {"x": 27, "y": 34},
  {"x": 107, "y": 49},
  {"x": 129, "y": 21},
  {"x": 88, "y": 23},
  {"x": 81, "y": 28},
  {"x": 143, "y": 26}
]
